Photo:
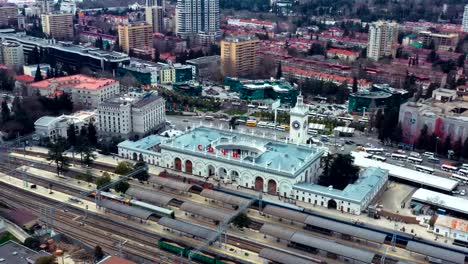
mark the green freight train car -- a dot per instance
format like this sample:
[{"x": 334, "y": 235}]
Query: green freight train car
[{"x": 184, "y": 251}]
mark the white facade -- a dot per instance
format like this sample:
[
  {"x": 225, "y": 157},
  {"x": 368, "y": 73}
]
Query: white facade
[
  {"x": 133, "y": 114},
  {"x": 68, "y": 7},
  {"x": 299, "y": 122},
  {"x": 260, "y": 24},
  {"x": 244, "y": 160},
  {"x": 383, "y": 37},
  {"x": 11, "y": 54},
  {"x": 54, "y": 127},
  {"x": 197, "y": 16},
  {"x": 354, "y": 199},
  {"x": 451, "y": 227},
  {"x": 465, "y": 20}
]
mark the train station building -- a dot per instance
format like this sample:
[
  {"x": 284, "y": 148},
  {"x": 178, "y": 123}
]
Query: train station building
[{"x": 247, "y": 160}]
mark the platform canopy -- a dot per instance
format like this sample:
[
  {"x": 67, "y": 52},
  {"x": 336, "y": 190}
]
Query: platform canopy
[
  {"x": 282, "y": 257},
  {"x": 149, "y": 196},
  {"x": 224, "y": 197},
  {"x": 285, "y": 213},
  {"x": 436, "y": 252},
  {"x": 169, "y": 183},
  {"x": 126, "y": 209},
  {"x": 206, "y": 211},
  {"x": 187, "y": 228},
  {"x": 277, "y": 231}
]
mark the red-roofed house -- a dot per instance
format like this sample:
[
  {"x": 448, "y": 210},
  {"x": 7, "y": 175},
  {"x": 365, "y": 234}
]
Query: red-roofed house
[
  {"x": 346, "y": 55},
  {"x": 84, "y": 90}
]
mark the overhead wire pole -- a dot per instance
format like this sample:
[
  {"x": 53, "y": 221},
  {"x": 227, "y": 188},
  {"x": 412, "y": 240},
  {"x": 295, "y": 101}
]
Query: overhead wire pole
[{"x": 222, "y": 228}]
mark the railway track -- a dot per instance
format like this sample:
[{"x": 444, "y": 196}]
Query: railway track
[{"x": 101, "y": 234}]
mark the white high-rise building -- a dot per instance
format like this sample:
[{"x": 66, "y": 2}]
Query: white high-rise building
[
  {"x": 198, "y": 18},
  {"x": 383, "y": 38},
  {"x": 131, "y": 114},
  {"x": 154, "y": 14},
  {"x": 465, "y": 20}
]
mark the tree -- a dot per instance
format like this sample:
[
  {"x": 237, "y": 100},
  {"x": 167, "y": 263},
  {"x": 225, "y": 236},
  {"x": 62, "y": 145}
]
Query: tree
[
  {"x": 122, "y": 187},
  {"x": 279, "y": 72},
  {"x": 355, "y": 85},
  {"x": 242, "y": 220},
  {"x": 92, "y": 134},
  {"x": 123, "y": 168},
  {"x": 447, "y": 144},
  {"x": 397, "y": 133},
  {"x": 32, "y": 243},
  {"x": 34, "y": 57},
  {"x": 56, "y": 152},
  {"x": 233, "y": 122},
  {"x": 340, "y": 173},
  {"x": 464, "y": 152},
  {"x": 45, "y": 260},
  {"x": 71, "y": 135},
  {"x": 5, "y": 112},
  {"x": 143, "y": 175},
  {"x": 38, "y": 76},
  {"x": 98, "y": 253},
  {"x": 422, "y": 140},
  {"x": 88, "y": 154},
  {"x": 103, "y": 180}
]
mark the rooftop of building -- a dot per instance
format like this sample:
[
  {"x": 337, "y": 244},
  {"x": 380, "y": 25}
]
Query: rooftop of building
[
  {"x": 369, "y": 179},
  {"x": 66, "y": 46},
  {"x": 145, "y": 143},
  {"x": 452, "y": 223},
  {"x": 135, "y": 98},
  {"x": 441, "y": 200},
  {"x": 253, "y": 21},
  {"x": 239, "y": 38},
  {"x": 80, "y": 116},
  {"x": 204, "y": 59},
  {"x": 343, "y": 52},
  {"x": 24, "y": 78},
  {"x": 456, "y": 109},
  {"x": 269, "y": 154},
  {"x": 12, "y": 252},
  {"x": 279, "y": 86},
  {"x": 78, "y": 81}
]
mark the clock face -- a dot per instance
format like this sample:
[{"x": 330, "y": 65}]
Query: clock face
[{"x": 296, "y": 124}]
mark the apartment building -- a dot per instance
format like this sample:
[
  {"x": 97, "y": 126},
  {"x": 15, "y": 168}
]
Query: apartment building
[
  {"x": 8, "y": 14},
  {"x": 198, "y": 18},
  {"x": 154, "y": 14},
  {"x": 465, "y": 20},
  {"x": 135, "y": 36},
  {"x": 441, "y": 41},
  {"x": 383, "y": 38},
  {"x": 239, "y": 55},
  {"x": 58, "y": 25},
  {"x": 12, "y": 54}
]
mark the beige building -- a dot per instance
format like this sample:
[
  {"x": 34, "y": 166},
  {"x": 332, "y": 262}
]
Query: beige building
[
  {"x": 383, "y": 38},
  {"x": 8, "y": 14},
  {"x": 58, "y": 26},
  {"x": 135, "y": 36},
  {"x": 444, "y": 42},
  {"x": 11, "y": 54},
  {"x": 239, "y": 55}
]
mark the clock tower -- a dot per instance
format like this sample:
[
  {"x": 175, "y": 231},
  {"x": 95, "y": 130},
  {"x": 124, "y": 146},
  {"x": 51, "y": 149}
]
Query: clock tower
[{"x": 299, "y": 122}]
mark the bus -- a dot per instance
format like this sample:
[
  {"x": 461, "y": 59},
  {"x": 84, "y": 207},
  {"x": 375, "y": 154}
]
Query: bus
[
  {"x": 463, "y": 171},
  {"x": 251, "y": 123},
  {"x": 209, "y": 118},
  {"x": 378, "y": 158},
  {"x": 396, "y": 156},
  {"x": 448, "y": 167},
  {"x": 424, "y": 169},
  {"x": 464, "y": 166},
  {"x": 374, "y": 150},
  {"x": 459, "y": 178},
  {"x": 415, "y": 160}
]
